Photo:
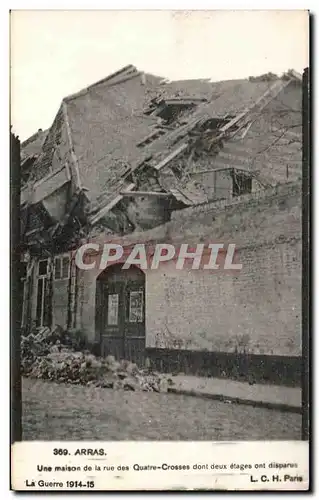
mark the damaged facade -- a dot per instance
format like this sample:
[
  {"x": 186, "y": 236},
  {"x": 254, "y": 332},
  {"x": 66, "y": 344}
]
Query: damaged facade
[{"x": 139, "y": 159}]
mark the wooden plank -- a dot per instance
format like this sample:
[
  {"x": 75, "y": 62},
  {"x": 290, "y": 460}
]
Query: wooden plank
[
  {"x": 144, "y": 193},
  {"x": 170, "y": 157},
  {"x": 258, "y": 105},
  {"x": 219, "y": 169},
  {"x": 184, "y": 100}
]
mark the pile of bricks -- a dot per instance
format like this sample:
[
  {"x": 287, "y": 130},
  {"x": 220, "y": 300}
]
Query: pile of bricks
[{"x": 53, "y": 355}]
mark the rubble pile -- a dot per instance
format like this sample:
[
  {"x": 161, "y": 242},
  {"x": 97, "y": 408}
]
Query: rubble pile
[{"x": 55, "y": 355}]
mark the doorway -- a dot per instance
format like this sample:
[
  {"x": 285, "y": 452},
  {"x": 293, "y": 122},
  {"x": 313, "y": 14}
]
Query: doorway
[{"x": 120, "y": 313}]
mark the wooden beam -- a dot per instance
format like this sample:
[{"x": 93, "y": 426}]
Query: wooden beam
[
  {"x": 219, "y": 169},
  {"x": 184, "y": 100},
  {"x": 222, "y": 169},
  {"x": 170, "y": 157},
  {"x": 145, "y": 193}
]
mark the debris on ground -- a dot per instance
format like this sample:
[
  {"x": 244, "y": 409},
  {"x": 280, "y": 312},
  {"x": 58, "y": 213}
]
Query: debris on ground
[{"x": 57, "y": 355}]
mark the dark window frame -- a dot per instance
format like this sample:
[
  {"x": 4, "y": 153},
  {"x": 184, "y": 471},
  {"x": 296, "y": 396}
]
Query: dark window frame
[
  {"x": 40, "y": 272},
  {"x": 59, "y": 268}
]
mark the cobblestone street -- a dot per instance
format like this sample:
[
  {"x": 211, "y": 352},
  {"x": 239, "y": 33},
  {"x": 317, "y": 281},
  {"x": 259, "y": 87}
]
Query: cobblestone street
[{"x": 58, "y": 411}]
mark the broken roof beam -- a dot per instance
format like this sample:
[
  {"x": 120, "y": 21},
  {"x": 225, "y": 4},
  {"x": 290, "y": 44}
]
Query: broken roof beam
[
  {"x": 183, "y": 101},
  {"x": 171, "y": 156},
  {"x": 25, "y": 159},
  {"x": 145, "y": 193},
  {"x": 218, "y": 169},
  {"x": 243, "y": 118},
  {"x": 101, "y": 213},
  {"x": 183, "y": 130}
]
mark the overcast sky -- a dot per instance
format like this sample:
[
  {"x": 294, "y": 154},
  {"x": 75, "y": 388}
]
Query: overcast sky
[{"x": 56, "y": 53}]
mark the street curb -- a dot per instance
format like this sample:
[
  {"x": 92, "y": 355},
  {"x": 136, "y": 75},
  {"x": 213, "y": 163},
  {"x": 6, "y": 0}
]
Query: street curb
[{"x": 229, "y": 399}]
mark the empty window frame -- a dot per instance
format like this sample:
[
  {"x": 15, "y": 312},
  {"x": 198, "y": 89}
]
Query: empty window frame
[
  {"x": 62, "y": 267},
  {"x": 43, "y": 267}
]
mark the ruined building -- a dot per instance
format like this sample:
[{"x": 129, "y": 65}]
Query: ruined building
[{"x": 137, "y": 158}]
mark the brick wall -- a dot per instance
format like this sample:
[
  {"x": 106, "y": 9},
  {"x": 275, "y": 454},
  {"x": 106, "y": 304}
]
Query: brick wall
[{"x": 258, "y": 310}]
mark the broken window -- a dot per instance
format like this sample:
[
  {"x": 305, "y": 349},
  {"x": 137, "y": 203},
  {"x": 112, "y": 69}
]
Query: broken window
[
  {"x": 173, "y": 108},
  {"x": 43, "y": 267},
  {"x": 242, "y": 184},
  {"x": 62, "y": 267},
  {"x": 214, "y": 123},
  {"x": 170, "y": 112}
]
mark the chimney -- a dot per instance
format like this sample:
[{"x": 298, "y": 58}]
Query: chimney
[{"x": 143, "y": 78}]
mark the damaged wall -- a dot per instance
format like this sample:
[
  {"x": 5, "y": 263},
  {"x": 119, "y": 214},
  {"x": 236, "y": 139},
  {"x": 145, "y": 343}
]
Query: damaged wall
[
  {"x": 146, "y": 212},
  {"x": 258, "y": 310},
  {"x": 56, "y": 203}
]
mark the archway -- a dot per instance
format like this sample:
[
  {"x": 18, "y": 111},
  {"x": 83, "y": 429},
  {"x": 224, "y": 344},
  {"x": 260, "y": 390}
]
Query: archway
[{"x": 120, "y": 312}]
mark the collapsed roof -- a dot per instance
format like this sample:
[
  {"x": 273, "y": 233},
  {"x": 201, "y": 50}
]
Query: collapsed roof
[{"x": 112, "y": 137}]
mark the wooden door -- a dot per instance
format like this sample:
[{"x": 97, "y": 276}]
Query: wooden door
[{"x": 120, "y": 313}]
